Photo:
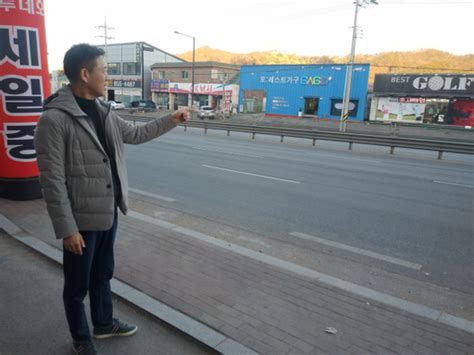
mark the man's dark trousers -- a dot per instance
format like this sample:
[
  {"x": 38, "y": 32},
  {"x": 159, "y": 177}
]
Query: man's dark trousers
[{"x": 90, "y": 272}]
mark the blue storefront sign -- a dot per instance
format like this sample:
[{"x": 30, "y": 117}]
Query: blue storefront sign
[
  {"x": 161, "y": 85},
  {"x": 293, "y": 90}
]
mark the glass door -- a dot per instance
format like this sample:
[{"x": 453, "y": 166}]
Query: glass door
[{"x": 311, "y": 105}]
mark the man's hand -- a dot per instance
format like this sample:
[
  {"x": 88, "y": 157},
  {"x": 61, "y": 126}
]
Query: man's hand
[
  {"x": 180, "y": 116},
  {"x": 74, "y": 243}
]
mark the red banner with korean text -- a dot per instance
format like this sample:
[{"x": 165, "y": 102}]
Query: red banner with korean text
[{"x": 24, "y": 84}]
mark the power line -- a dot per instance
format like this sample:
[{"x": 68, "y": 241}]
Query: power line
[
  {"x": 334, "y": 66},
  {"x": 424, "y": 68}
]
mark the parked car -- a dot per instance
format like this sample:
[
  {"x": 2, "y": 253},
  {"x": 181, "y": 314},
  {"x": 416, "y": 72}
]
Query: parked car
[
  {"x": 146, "y": 104},
  {"x": 116, "y": 105},
  {"x": 206, "y": 112}
]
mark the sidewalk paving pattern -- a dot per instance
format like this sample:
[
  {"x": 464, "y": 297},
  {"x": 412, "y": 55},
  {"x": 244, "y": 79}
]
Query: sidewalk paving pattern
[
  {"x": 32, "y": 317},
  {"x": 268, "y": 309}
]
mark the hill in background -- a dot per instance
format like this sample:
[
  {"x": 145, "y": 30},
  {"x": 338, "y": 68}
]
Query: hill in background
[{"x": 419, "y": 61}]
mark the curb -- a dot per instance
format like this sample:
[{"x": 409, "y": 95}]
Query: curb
[
  {"x": 386, "y": 299},
  {"x": 191, "y": 327}
]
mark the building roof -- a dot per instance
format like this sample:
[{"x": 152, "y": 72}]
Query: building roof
[
  {"x": 196, "y": 64},
  {"x": 143, "y": 43},
  {"x": 300, "y": 66}
]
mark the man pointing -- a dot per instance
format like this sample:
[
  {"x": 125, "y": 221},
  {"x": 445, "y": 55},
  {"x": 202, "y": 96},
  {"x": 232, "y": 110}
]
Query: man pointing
[{"x": 80, "y": 151}]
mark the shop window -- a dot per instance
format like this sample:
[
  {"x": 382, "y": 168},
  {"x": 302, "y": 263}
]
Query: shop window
[
  {"x": 131, "y": 68},
  {"x": 218, "y": 75},
  {"x": 162, "y": 100},
  {"x": 436, "y": 111},
  {"x": 254, "y": 101},
  {"x": 337, "y": 106},
  {"x": 461, "y": 112},
  {"x": 184, "y": 75},
  {"x": 311, "y": 105},
  {"x": 401, "y": 109},
  {"x": 180, "y": 100},
  {"x": 113, "y": 68}
]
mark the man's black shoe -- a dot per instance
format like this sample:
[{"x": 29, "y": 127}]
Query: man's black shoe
[
  {"x": 85, "y": 347},
  {"x": 117, "y": 329}
]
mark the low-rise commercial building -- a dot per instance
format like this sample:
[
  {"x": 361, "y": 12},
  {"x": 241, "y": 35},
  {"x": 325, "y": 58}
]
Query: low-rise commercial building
[
  {"x": 424, "y": 98},
  {"x": 315, "y": 90},
  {"x": 215, "y": 84},
  {"x": 129, "y": 69}
]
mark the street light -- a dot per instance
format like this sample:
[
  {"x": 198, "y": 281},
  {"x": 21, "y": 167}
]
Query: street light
[
  {"x": 192, "y": 71},
  {"x": 348, "y": 82}
]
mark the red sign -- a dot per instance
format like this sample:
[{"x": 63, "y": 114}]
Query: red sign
[
  {"x": 413, "y": 100},
  {"x": 462, "y": 112},
  {"x": 24, "y": 83}
]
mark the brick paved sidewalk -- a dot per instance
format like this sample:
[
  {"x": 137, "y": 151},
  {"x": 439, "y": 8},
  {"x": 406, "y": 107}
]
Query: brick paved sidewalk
[
  {"x": 32, "y": 315},
  {"x": 268, "y": 309}
]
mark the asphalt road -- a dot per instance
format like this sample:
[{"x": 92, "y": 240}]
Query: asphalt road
[{"x": 408, "y": 206}]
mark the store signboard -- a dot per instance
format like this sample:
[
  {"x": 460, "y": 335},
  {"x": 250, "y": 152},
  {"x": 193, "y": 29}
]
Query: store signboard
[
  {"x": 24, "y": 84},
  {"x": 434, "y": 85},
  {"x": 200, "y": 89},
  {"x": 313, "y": 80},
  {"x": 161, "y": 85},
  {"x": 279, "y": 102},
  {"x": 117, "y": 81},
  {"x": 337, "y": 106}
]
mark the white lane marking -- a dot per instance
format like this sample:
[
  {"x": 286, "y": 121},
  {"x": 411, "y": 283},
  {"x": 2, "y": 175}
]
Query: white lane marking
[
  {"x": 332, "y": 156},
  {"x": 371, "y": 254},
  {"x": 384, "y": 298},
  {"x": 251, "y": 174},
  {"x": 149, "y": 194},
  {"x": 452, "y": 183},
  {"x": 226, "y": 152}
]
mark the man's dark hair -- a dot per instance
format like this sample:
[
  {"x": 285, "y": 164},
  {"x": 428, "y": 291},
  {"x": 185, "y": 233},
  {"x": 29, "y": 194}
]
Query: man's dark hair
[{"x": 80, "y": 56}]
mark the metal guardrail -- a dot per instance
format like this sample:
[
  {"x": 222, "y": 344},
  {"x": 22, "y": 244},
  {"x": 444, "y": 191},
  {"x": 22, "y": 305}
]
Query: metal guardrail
[
  {"x": 432, "y": 126},
  {"x": 314, "y": 135}
]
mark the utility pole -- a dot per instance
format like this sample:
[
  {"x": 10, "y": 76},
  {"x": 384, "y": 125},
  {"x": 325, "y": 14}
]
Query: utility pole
[
  {"x": 193, "y": 65},
  {"x": 348, "y": 81},
  {"x": 105, "y": 36},
  {"x": 192, "y": 72}
]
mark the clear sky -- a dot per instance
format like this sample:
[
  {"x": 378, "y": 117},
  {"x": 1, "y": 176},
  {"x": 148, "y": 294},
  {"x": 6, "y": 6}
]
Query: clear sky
[{"x": 305, "y": 27}]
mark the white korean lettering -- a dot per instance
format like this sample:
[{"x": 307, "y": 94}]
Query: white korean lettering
[
  {"x": 20, "y": 47},
  {"x": 27, "y": 5},
  {"x": 22, "y": 96},
  {"x": 40, "y": 7},
  {"x": 7, "y": 5},
  {"x": 19, "y": 141}
]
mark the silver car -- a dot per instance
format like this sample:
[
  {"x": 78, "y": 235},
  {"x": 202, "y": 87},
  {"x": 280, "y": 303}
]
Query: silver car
[
  {"x": 116, "y": 105},
  {"x": 206, "y": 112}
]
